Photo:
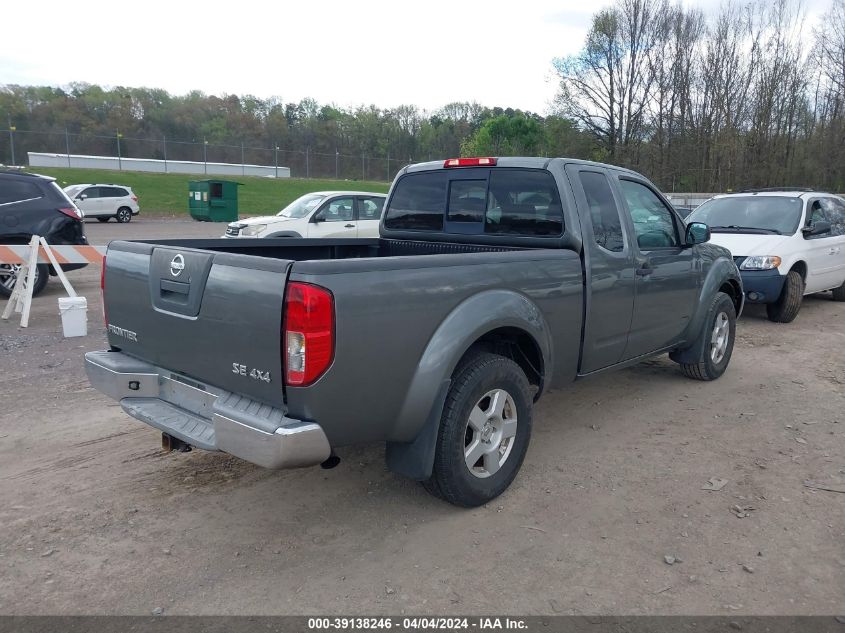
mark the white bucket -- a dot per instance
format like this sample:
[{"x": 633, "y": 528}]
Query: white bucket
[{"x": 74, "y": 311}]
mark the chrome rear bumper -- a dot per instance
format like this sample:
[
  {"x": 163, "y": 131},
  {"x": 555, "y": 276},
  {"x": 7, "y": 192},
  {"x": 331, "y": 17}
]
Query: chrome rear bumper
[{"x": 205, "y": 416}]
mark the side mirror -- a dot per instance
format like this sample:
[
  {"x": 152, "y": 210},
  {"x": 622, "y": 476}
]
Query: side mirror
[
  {"x": 816, "y": 228},
  {"x": 697, "y": 233},
  {"x": 317, "y": 217},
  {"x": 82, "y": 196}
]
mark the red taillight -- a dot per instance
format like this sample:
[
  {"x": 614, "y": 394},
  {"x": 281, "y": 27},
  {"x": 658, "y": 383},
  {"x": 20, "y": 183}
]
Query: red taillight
[
  {"x": 71, "y": 212},
  {"x": 308, "y": 335},
  {"x": 134, "y": 198},
  {"x": 103, "y": 290},
  {"x": 470, "y": 162}
]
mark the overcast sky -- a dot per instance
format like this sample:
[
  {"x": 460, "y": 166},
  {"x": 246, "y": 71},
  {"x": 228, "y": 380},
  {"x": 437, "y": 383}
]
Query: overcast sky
[{"x": 349, "y": 53}]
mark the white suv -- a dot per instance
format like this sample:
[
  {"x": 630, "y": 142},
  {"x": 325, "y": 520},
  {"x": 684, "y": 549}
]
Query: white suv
[
  {"x": 786, "y": 243},
  {"x": 105, "y": 201},
  {"x": 318, "y": 214}
]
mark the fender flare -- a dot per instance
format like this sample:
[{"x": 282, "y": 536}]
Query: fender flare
[
  {"x": 283, "y": 234},
  {"x": 722, "y": 270},
  {"x": 419, "y": 416}
]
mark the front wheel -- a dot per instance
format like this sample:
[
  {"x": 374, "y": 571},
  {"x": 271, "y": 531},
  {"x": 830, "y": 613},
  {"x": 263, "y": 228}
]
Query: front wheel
[
  {"x": 716, "y": 340},
  {"x": 786, "y": 308},
  {"x": 9, "y": 277},
  {"x": 484, "y": 431},
  {"x": 124, "y": 214}
]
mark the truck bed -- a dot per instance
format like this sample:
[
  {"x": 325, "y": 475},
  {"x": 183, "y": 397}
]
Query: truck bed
[{"x": 392, "y": 300}]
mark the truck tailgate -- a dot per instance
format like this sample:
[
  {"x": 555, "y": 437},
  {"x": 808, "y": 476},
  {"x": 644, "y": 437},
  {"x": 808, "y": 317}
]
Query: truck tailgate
[{"x": 213, "y": 317}]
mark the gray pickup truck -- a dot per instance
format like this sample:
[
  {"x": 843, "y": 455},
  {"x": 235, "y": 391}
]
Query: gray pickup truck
[{"x": 492, "y": 281}]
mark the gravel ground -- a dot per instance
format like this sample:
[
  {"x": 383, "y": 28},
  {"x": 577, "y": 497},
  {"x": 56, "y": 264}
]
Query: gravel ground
[{"x": 96, "y": 519}]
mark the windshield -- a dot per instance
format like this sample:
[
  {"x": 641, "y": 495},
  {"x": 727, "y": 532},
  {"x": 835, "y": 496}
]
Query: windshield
[
  {"x": 750, "y": 214},
  {"x": 302, "y": 206}
]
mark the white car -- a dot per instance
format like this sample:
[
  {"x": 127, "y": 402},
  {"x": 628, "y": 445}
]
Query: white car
[
  {"x": 318, "y": 214},
  {"x": 786, "y": 243},
  {"x": 105, "y": 201}
]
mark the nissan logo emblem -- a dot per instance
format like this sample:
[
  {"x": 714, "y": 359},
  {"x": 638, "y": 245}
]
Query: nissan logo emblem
[{"x": 177, "y": 265}]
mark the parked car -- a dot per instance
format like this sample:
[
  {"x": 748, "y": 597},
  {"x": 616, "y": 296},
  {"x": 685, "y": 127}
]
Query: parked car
[
  {"x": 31, "y": 204},
  {"x": 786, "y": 243},
  {"x": 683, "y": 210},
  {"x": 319, "y": 214},
  {"x": 436, "y": 338},
  {"x": 104, "y": 201}
]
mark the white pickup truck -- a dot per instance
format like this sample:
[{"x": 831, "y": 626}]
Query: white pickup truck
[{"x": 787, "y": 243}]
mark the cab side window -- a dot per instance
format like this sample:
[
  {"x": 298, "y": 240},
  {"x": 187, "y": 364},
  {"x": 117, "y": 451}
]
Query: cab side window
[
  {"x": 90, "y": 192},
  {"x": 817, "y": 213},
  {"x": 338, "y": 210},
  {"x": 834, "y": 209},
  {"x": 654, "y": 223}
]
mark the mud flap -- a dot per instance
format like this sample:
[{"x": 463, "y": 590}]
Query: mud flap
[{"x": 415, "y": 460}]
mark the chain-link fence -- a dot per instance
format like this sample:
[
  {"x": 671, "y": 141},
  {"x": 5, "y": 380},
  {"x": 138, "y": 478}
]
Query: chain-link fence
[{"x": 304, "y": 162}]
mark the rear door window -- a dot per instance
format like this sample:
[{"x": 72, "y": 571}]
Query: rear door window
[
  {"x": 494, "y": 201},
  {"x": 523, "y": 202},
  {"x": 607, "y": 225},
  {"x": 17, "y": 190}
]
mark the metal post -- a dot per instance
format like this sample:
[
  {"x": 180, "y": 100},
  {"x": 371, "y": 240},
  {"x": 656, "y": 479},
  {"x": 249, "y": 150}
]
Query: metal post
[
  {"x": 205, "y": 156},
  {"x": 336, "y": 164},
  {"x": 243, "y": 167},
  {"x": 164, "y": 144},
  {"x": 362, "y": 167},
  {"x": 12, "y": 129},
  {"x": 307, "y": 166},
  {"x": 388, "y": 165},
  {"x": 119, "y": 161},
  {"x": 277, "y": 161},
  {"x": 67, "y": 146}
]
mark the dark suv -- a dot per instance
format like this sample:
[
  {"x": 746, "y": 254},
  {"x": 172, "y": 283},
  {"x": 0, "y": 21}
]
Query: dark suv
[{"x": 31, "y": 204}]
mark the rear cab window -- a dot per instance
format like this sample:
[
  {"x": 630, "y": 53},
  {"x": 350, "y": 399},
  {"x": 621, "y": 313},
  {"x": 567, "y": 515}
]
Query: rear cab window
[{"x": 478, "y": 201}]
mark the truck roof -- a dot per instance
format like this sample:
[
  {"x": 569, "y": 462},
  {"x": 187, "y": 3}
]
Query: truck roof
[{"x": 531, "y": 162}]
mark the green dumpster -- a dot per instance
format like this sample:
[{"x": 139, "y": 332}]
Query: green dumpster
[{"x": 213, "y": 200}]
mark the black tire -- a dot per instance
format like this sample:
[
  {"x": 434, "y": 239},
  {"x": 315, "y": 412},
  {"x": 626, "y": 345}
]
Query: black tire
[
  {"x": 103, "y": 220},
  {"x": 7, "y": 281},
  {"x": 711, "y": 365},
  {"x": 474, "y": 380},
  {"x": 839, "y": 293},
  {"x": 786, "y": 308},
  {"x": 124, "y": 215}
]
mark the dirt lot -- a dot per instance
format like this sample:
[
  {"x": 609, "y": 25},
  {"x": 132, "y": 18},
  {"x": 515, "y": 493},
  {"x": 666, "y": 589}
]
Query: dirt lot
[{"x": 95, "y": 518}]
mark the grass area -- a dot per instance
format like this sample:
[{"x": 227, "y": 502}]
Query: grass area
[{"x": 167, "y": 194}]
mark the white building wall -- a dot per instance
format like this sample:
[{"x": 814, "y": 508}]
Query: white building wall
[{"x": 79, "y": 161}]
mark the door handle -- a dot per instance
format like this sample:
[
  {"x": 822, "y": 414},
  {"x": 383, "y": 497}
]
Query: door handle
[
  {"x": 349, "y": 226},
  {"x": 644, "y": 269}
]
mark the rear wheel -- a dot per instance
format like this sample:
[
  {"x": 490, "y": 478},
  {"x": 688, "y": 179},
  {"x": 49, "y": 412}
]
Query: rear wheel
[
  {"x": 484, "y": 431},
  {"x": 9, "y": 277},
  {"x": 124, "y": 214},
  {"x": 716, "y": 340},
  {"x": 103, "y": 219},
  {"x": 786, "y": 308},
  {"x": 839, "y": 293}
]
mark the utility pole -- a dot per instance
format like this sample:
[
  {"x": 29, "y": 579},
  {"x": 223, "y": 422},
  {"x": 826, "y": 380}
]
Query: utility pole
[
  {"x": 67, "y": 146},
  {"x": 336, "y": 164},
  {"x": 243, "y": 167},
  {"x": 12, "y": 129},
  {"x": 164, "y": 143},
  {"x": 277, "y": 161},
  {"x": 307, "y": 166},
  {"x": 205, "y": 156},
  {"x": 362, "y": 167},
  {"x": 119, "y": 161},
  {"x": 388, "y": 165}
]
